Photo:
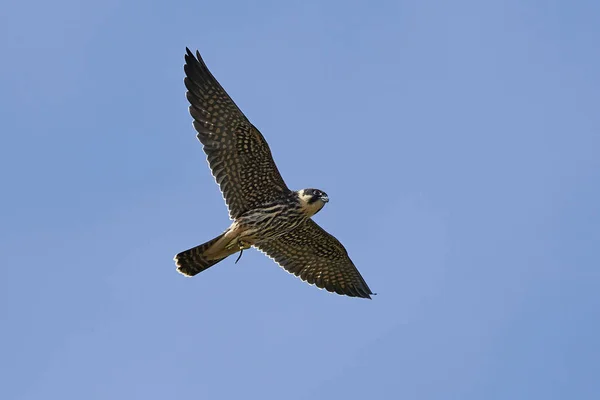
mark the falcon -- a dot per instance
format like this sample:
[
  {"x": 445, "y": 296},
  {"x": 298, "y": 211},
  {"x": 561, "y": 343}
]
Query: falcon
[{"x": 266, "y": 214}]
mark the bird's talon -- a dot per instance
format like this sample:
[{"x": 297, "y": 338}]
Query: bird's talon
[
  {"x": 240, "y": 256},
  {"x": 243, "y": 245}
]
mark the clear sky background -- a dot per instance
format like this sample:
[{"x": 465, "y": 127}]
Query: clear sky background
[{"x": 459, "y": 142}]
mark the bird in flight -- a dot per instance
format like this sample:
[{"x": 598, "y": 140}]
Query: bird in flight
[{"x": 266, "y": 214}]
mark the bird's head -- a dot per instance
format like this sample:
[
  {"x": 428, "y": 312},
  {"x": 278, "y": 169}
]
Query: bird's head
[{"x": 312, "y": 200}]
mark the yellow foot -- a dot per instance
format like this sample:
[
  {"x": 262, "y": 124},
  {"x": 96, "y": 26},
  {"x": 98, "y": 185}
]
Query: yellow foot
[{"x": 243, "y": 246}]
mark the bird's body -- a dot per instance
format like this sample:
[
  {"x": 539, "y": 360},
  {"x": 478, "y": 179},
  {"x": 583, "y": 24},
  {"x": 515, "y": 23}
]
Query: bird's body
[
  {"x": 262, "y": 224},
  {"x": 271, "y": 220},
  {"x": 266, "y": 214}
]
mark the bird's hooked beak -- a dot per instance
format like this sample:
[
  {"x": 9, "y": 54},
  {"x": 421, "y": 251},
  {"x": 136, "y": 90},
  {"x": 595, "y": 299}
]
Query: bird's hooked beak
[{"x": 324, "y": 198}]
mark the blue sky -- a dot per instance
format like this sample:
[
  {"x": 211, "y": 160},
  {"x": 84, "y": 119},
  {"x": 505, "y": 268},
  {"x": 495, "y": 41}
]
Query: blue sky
[{"x": 458, "y": 142}]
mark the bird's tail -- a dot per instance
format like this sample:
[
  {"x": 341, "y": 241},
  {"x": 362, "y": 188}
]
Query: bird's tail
[{"x": 194, "y": 260}]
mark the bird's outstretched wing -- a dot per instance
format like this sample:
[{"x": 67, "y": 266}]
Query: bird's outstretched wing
[
  {"x": 315, "y": 256},
  {"x": 237, "y": 153}
]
